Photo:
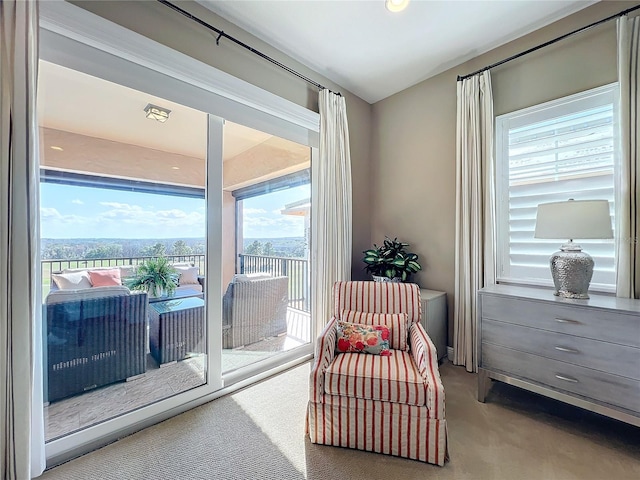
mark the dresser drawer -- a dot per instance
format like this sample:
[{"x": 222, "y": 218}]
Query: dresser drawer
[
  {"x": 604, "y": 387},
  {"x": 603, "y": 356},
  {"x": 574, "y": 319}
]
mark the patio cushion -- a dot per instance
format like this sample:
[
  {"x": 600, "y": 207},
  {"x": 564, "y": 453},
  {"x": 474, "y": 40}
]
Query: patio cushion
[
  {"x": 125, "y": 270},
  {"x": 188, "y": 275},
  {"x": 60, "y": 296},
  {"x": 393, "y": 379},
  {"x": 105, "y": 278},
  {"x": 248, "y": 277},
  {"x": 72, "y": 281}
]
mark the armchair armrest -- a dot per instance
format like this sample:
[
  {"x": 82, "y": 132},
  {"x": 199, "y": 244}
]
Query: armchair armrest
[
  {"x": 325, "y": 352},
  {"x": 426, "y": 358}
]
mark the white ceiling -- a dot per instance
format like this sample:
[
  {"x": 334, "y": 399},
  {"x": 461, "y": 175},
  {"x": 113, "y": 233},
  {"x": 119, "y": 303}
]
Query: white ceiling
[
  {"x": 74, "y": 102},
  {"x": 374, "y": 53}
]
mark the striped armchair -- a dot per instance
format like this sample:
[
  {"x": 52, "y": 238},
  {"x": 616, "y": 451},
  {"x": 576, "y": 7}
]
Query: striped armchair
[{"x": 385, "y": 404}]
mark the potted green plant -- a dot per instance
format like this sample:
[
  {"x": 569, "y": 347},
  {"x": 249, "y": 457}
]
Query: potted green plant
[
  {"x": 391, "y": 261},
  {"x": 156, "y": 276}
]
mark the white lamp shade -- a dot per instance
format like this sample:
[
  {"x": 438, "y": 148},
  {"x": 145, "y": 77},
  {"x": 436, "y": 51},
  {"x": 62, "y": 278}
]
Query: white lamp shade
[{"x": 574, "y": 219}]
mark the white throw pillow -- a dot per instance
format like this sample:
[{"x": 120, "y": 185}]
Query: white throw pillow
[
  {"x": 188, "y": 275},
  {"x": 72, "y": 281}
]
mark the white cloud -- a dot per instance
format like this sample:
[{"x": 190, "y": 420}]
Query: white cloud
[
  {"x": 253, "y": 211},
  {"x": 125, "y": 220},
  {"x": 120, "y": 206},
  {"x": 274, "y": 226},
  {"x": 77, "y": 201},
  {"x": 135, "y": 216},
  {"x": 49, "y": 214}
]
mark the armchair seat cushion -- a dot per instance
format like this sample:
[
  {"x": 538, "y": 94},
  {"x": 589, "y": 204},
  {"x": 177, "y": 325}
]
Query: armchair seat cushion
[{"x": 393, "y": 379}]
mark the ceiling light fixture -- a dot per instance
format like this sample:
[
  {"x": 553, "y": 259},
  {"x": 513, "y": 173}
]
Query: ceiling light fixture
[
  {"x": 56, "y": 148},
  {"x": 157, "y": 113},
  {"x": 396, "y": 5}
]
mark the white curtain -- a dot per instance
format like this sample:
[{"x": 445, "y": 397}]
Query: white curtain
[
  {"x": 21, "y": 416},
  {"x": 331, "y": 206},
  {"x": 628, "y": 195},
  {"x": 475, "y": 211}
]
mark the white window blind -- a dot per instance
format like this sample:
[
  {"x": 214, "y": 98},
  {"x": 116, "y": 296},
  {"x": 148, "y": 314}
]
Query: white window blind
[{"x": 562, "y": 149}]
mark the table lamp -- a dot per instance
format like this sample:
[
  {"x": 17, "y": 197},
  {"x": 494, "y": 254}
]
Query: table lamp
[{"x": 571, "y": 268}]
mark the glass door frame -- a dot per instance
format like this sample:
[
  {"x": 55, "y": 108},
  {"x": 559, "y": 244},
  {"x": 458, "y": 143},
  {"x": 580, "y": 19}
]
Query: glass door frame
[{"x": 74, "y": 38}]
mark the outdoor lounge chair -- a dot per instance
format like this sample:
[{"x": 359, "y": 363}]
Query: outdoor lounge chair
[{"x": 254, "y": 309}]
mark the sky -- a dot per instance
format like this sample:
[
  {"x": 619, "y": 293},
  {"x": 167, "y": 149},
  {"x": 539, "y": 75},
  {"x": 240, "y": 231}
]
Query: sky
[
  {"x": 87, "y": 212},
  {"x": 262, "y": 218}
]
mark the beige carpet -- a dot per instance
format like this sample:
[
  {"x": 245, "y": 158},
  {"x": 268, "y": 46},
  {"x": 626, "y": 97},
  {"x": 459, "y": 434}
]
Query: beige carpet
[{"x": 258, "y": 433}]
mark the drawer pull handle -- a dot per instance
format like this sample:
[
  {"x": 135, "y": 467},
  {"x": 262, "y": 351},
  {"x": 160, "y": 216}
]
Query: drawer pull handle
[
  {"x": 566, "y": 379},
  {"x": 566, "y": 349},
  {"x": 564, "y": 320}
]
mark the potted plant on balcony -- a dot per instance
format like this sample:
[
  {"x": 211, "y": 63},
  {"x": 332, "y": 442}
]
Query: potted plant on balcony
[
  {"x": 391, "y": 262},
  {"x": 156, "y": 276}
]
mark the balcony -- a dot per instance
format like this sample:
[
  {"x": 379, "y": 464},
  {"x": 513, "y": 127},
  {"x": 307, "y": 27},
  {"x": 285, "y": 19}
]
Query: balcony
[{"x": 158, "y": 382}]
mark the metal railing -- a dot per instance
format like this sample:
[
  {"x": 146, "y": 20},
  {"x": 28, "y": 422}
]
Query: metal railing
[
  {"x": 56, "y": 265},
  {"x": 297, "y": 269}
]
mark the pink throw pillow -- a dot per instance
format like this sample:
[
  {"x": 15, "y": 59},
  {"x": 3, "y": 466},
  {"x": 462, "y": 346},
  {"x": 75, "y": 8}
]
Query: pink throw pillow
[{"x": 105, "y": 278}]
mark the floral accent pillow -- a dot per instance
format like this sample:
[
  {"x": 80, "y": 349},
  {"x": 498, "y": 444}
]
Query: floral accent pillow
[
  {"x": 355, "y": 337},
  {"x": 395, "y": 322}
]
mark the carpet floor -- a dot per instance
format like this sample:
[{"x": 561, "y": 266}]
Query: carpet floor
[{"x": 258, "y": 433}]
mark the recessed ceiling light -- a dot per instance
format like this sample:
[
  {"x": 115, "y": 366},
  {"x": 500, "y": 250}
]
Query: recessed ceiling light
[
  {"x": 175, "y": 168},
  {"x": 55, "y": 147},
  {"x": 396, "y": 5},
  {"x": 155, "y": 112}
]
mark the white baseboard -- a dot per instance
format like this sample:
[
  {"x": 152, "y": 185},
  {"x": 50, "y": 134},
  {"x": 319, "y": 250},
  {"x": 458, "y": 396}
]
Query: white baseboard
[{"x": 450, "y": 353}]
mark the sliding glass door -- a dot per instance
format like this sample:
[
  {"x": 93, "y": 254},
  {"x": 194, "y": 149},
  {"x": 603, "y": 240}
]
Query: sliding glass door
[
  {"x": 266, "y": 230},
  {"x": 123, "y": 248},
  {"x": 174, "y": 231}
]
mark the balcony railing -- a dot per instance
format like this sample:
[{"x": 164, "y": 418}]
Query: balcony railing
[
  {"x": 52, "y": 266},
  {"x": 297, "y": 269}
]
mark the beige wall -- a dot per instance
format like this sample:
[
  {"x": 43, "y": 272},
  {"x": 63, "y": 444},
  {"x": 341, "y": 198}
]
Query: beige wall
[
  {"x": 413, "y": 136},
  {"x": 161, "y": 24}
]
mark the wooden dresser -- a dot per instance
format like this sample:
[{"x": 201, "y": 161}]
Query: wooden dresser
[{"x": 583, "y": 352}]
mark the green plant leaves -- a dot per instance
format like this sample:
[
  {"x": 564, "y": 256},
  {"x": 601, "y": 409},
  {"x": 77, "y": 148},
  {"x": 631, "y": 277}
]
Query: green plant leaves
[
  {"x": 391, "y": 260},
  {"x": 155, "y": 276}
]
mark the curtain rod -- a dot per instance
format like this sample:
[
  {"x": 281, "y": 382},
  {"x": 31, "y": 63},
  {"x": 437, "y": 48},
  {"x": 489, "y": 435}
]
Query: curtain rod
[
  {"x": 550, "y": 42},
  {"x": 221, "y": 34}
]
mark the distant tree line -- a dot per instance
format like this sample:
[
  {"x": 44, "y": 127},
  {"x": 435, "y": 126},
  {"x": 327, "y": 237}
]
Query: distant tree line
[
  {"x": 267, "y": 249},
  {"x": 118, "y": 249},
  {"x": 294, "y": 247}
]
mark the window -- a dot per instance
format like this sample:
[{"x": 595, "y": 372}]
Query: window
[{"x": 566, "y": 148}]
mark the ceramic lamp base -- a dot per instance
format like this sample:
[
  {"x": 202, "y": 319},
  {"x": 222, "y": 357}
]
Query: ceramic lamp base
[{"x": 571, "y": 270}]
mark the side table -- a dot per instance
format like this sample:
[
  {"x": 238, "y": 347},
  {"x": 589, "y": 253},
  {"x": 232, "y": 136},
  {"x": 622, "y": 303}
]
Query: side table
[
  {"x": 434, "y": 318},
  {"x": 176, "y": 328}
]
